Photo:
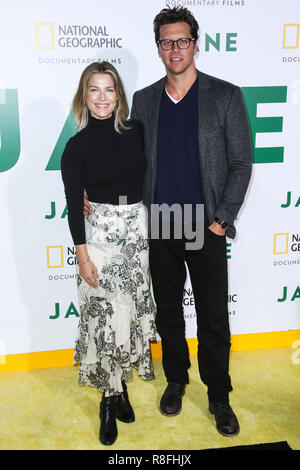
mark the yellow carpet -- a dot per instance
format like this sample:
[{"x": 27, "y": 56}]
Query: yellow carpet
[{"x": 46, "y": 409}]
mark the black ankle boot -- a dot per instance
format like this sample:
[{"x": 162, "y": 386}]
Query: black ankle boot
[
  {"x": 108, "y": 427},
  {"x": 124, "y": 411}
]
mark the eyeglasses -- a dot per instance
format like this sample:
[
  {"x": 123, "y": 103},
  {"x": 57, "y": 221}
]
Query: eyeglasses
[{"x": 168, "y": 44}]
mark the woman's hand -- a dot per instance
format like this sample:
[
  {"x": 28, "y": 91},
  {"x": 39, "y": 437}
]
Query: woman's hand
[
  {"x": 87, "y": 208},
  {"x": 88, "y": 272}
]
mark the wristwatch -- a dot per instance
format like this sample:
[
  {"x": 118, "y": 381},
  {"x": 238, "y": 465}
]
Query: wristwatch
[{"x": 223, "y": 224}]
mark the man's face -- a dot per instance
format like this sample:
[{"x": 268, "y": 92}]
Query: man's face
[{"x": 177, "y": 60}]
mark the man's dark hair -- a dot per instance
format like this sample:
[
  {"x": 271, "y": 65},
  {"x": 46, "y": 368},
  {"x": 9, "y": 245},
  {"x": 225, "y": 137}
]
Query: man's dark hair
[{"x": 175, "y": 15}]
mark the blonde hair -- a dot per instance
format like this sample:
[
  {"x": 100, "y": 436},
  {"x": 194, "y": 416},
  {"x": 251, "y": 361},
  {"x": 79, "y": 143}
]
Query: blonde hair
[{"x": 79, "y": 107}]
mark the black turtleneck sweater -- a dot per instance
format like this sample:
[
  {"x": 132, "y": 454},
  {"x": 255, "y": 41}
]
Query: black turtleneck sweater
[{"x": 107, "y": 164}]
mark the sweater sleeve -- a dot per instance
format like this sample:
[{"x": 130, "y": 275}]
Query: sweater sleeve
[{"x": 72, "y": 171}]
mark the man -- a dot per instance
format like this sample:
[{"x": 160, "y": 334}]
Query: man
[{"x": 198, "y": 149}]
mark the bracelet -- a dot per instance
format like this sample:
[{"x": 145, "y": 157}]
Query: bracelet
[{"x": 85, "y": 262}]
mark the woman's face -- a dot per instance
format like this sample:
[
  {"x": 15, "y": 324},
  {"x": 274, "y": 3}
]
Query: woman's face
[{"x": 101, "y": 95}]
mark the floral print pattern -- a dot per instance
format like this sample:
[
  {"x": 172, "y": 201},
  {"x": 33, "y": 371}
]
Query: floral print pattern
[{"x": 117, "y": 318}]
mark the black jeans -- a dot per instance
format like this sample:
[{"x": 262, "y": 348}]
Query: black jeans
[{"x": 208, "y": 273}]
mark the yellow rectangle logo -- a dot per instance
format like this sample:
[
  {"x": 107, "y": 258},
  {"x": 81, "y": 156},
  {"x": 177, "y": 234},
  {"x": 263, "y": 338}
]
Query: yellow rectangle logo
[
  {"x": 291, "y": 34},
  {"x": 281, "y": 243},
  {"x": 44, "y": 35},
  {"x": 55, "y": 256}
]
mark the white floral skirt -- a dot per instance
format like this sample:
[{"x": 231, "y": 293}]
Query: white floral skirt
[{"x": 117, "y": 318}]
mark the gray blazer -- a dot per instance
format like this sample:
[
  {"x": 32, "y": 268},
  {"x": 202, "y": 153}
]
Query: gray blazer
[{"x": 225, "y": 149}]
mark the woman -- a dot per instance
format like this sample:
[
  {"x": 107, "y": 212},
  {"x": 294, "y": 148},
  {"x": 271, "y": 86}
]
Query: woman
[{"x": 106, "y": 159}]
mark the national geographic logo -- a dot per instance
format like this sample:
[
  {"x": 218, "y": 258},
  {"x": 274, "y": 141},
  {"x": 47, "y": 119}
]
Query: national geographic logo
[
  {"x": 291, "y": 36},
  {"x": 188, "y": 299},
  {"x": 55, "y": 256},
  {"x": 49, "y": 37},
  {"x": 284, "y": 244},
  {"x": 59, "y": 258},
  {"x": 44, "y": 33},
  {"x": 290, "y": 41},
  {"x": 281, "y": 243}
]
